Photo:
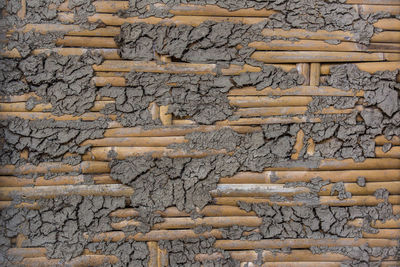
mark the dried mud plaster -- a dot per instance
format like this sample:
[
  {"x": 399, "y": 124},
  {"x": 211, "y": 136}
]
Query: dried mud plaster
[
  {"x": 315, "y": 15},
  {"x": 63, "y": 81},
  {"x": 46, "y": 140},
  {"x": 204, "y": 98},
  {"x": 65, "y": 226},
  {"x": 209, "y": 42}
]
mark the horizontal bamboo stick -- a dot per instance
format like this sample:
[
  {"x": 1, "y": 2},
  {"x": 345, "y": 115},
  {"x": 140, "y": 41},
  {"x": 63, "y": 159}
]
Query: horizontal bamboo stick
[
  {"x": 318, "y": 45},
  {"x": 370, "y": 67},
  {"x": 7, "y": 193},
  {"x": 270, "y": 120},
  {"x": 383, "y": 37},
  {"x": 111, "y": 20},
  {"x": 89, "y": 116},
  {"x": 295, "y": 91},
  {"x": 390, "y": 24},
  {"x": 21, "y": 106},
  {"x": 209, "y": 210},
  {"x": 347, "y": 164},
  {"x": 105, "y": 42},
  {"x": 141, "y": 66},
  {"x": 218, "y": 222},
  {"x": 389, "y": 224},
  {"x": 324, "y": 200},
  {"x": 135, "y": 141},
  {"x": 369, "y": 9},
  {"x": 381, "y": 140},
  {"x": 279, "y": 111},
  {"x": 264, "y": 101},
  {"x": 156, "y": 235},
  {"x": 265, "y": 190},
  {"x": 317, "y": 56},
  {"x": 213, "y": 10},
  {"x": 27, "y": 252},
  {"x": 84, "y": 260},
  {"x": 102, "y": 166},
  {"x": 394, "y": 152},
  {"x": 13, "y": 181},
  {"x": 178, "y": 10},
  {"x": 301, "y": 243},
  {"x": 101, "y": 153},
  {"x": 56, "y": 167},
  {"x": 173, "y": 130},
  {"x": 313, "y": 264},
  {"x": 347, "y": 176},
  {"x": 295, "y": 255},
  {"x": 373, "y": 2},
  {"x": 186, "y": 222}
]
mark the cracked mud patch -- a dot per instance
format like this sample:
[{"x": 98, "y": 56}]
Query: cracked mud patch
[{"x": 292, "y": 14}]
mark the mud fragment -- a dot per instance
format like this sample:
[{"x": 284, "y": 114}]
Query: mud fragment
[
  {"x": 292, "y": 14},
  {"x": 46, "y": 140}
]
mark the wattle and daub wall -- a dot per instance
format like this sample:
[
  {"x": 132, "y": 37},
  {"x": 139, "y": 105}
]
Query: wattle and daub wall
[{"x": 200, "y": 133}]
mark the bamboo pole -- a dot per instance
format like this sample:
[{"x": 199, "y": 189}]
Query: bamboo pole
[
  {"x": 84, "y": 260},
  {"x": 213, "y": 10},
  {"x": 7, "y": 193},
  {"x": 315, "y": 70},
  {"x": 324, "y": 200},
  {"x": 389, "y": 224},
  {"x": 187, "y": 222},
  {"x": 13, "y": 181},
  {"x": 178, "y": 10},
  {"x": 295, "y": 91},
  {"x": 89, "y": 116},
  {"x": 313, "y": 264},
  {"x": 373, "y": 2},
  {"x": 317, "y": 56},
  {"x": 301, "y": 243},
  {"x": 347, "y": 164},
  {"x": 297, "y": 255},
  {"x": 195, "y": 20},
  {"x": 143, "y": 66},
  {"x": 304, "y": 69},
  {"x": 281, "y": 177},
  {"x": 102, "y": 167},
  {"x": 265, "y": 101},
  {"x": 369, "y": 9},
  {"x": 319, "y": 45},
  {"x": 161, "y": 141},
  {"x": 209, "y": 211},
  {"x": 381, "y": 140},
  {"x": 249, "y": 221},
  {"x": 383, "y": 37},
  {"x": 56, "y": 167},
  {"x": 101, "y": 153},
  {"x": 165, "y": 117},
  {"x": 152, "y": 257},
  {"x": 110, "y": 20},
  {"x": 280, "y": 111},
  {"x": 270, "y": 120},
  {"x": 394, "y": 152},
  {"x": 156, "y": 235},
  {"x": 390, "y": 24},
  {"x": 173, "y": 131},
  {"x": 21, "y": 106},
  {"x": 370, "y": 67}
]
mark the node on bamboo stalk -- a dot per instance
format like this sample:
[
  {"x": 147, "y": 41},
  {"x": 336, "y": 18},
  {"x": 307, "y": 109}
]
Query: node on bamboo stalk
[{"x": 304, "y": 69}]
